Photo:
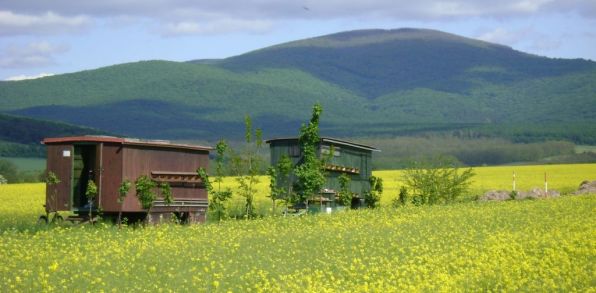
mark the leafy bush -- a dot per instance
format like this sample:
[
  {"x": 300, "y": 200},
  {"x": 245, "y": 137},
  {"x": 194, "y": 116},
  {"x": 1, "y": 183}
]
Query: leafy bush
[
  {"x": 373, "y": 197},
  {"x": 402, "y": 197},
  {"x": 144, "y": 187},
  {"x": 437, "y": 180}
]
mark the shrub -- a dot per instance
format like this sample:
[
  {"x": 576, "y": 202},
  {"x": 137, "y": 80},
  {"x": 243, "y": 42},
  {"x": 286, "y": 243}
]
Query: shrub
[
  {"x": 144, "y": 187},
  {"x": 402, "y": 197},
  {"x": 373, "y": 197},
  {"x": 437, "y": 180},
  {"x": 513, "y": 195}
]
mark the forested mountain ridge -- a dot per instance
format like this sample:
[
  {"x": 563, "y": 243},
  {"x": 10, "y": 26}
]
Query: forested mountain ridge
[{"x": 370, "y": 82}]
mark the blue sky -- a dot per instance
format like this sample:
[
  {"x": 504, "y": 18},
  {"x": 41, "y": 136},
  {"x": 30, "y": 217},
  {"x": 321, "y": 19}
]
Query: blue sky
[{"x": 61, "y": 36}]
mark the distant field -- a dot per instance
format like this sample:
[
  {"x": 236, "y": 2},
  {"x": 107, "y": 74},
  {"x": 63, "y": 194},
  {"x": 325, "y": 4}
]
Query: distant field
[
  {"x": 528, "y": 246},
  {"x": 27, "y": 164},
  {"x": 585, "y": 148}
]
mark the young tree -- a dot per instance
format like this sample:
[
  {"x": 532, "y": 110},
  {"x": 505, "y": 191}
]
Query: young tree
[
  {"x": 122, "y": 192},
  {"x": 310, "y": 170},
  {"x": 246, "y": 166},
  {"x": 91, "y": 193},
  {"x": 345, "y": 193},
  {"x": 144, "y": 187},
  {"x": 402, "y": 198},
  {"x": 217, "y": 198},
  {"x": 274, "y": 191},
  {"x": 51, "y": 181},
  {"x": 280, "y": 185},
  {"x": 437, "y": 180}
]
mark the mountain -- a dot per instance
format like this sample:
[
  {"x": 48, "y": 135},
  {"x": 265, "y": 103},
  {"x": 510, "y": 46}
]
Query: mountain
[
  {"x": 374, "y": 63},
  {"x": 370, "y": 82},
  {"x": 21, "y": 136}
]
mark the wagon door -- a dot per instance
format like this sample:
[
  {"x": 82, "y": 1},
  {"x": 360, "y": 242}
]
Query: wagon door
[
  {"x": 84, "y": 168},
  {"x": 59, "y": 161}
]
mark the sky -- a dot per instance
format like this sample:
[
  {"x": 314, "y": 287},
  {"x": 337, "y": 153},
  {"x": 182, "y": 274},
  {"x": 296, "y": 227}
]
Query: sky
[{"x": 40, "y": 38}]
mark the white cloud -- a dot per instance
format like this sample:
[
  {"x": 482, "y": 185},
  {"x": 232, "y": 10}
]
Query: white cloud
[
  {"x": 506, "y": 37},
  {"x": 530, "y": 6},
  {"x": 218, "y": 26},
  {"x": 23, "y": 77},
  {"x": 524, "y": 39},
  {"x": 31, "y": 55},
  {"x": 180, "y": 17},
  {"x": 49, "y": 22}
]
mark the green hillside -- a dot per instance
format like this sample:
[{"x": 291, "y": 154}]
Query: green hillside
[
  {"x": 176, "y": 100},
  {"x": 370, "y": 82},
  {"x": 20, "y": 136}
]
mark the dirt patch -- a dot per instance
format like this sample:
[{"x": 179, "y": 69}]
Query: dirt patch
[
  {"x": 538, "y": 193},
  {"x": 496, "y": 195},
  {"x": 586, "y": 187},
  {"x": 533, "y": 193}
]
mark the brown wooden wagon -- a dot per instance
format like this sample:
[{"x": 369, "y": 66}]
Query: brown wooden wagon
[{"x": 108, "y": 161}]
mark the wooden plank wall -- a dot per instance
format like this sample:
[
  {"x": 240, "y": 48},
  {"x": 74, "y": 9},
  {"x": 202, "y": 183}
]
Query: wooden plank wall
[
  {"x": 139, "y": 160},
  {"x": 111, "y": 177},
  {"x": 61, "y": 165}
]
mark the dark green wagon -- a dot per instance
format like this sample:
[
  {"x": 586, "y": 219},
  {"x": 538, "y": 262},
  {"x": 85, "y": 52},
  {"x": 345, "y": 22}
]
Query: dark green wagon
[{"x": 352, "y": 159}]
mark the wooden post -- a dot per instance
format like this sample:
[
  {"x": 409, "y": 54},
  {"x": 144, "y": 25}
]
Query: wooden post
[
  {"x": 545, "y": 185},
  {"x": 513, "y": 180}
]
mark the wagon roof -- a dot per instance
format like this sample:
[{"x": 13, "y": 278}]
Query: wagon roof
[
  {"x": 331, "y": 140},
  {"x": 124, "y": 141}
]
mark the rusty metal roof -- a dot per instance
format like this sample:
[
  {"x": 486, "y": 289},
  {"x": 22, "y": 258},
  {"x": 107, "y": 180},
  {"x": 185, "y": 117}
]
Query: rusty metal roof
[{"x": 123, "y": 141}]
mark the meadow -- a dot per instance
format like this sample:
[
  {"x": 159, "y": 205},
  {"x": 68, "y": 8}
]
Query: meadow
[{"x": 530, "y": 245}]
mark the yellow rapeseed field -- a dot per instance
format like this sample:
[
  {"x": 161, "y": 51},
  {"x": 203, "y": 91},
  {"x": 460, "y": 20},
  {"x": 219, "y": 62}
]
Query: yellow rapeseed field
[
  {"x": 531, "y": 245},
  {"x": 564, "y": 178}
]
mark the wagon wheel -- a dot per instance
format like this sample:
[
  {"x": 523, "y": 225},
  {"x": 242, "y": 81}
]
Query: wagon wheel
[
  {"x": 57, "y": 219},
  {"x": 42, "y": 220}
]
